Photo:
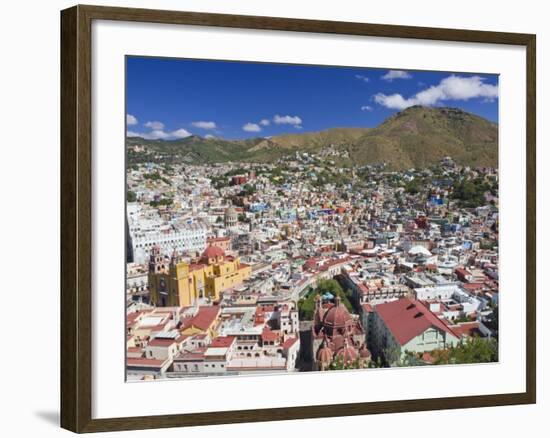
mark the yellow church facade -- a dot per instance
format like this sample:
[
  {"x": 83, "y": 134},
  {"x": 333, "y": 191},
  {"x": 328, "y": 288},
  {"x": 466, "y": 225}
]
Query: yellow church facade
[{"x": 181, "y": 284}]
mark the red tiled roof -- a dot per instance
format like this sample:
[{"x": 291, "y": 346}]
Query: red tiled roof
[
  {"x": 222, "y": 341},
  {"x": 289, "y": 343},
  {"x": 142, "y": 361},
  {"x": 204, "y": 318},
  {"x": 462, "y": 271},
  {"x": 472, "y": 286},
  {"x": 311, "y": 263},
  {"x": 193, "y": 355},
  {"x": 160, "y": 342},
  {"x": 407, "y": 318},
  {"x": 367, "y": 308},
  {"x": 132, "y": 317},
  {"x": 467, "y": 328},
  {"x": 265, "y": 308},
  {"x": 269, "y": 335},
  {"x": 331, "y": 263}
]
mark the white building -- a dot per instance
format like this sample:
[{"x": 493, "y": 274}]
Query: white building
[
  {"x": 147, "y": 229},
  {"x": 407, "y": 325}
]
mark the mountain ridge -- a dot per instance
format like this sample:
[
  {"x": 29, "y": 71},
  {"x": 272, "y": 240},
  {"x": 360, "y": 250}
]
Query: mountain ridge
[{"x": 415, "y": 137}]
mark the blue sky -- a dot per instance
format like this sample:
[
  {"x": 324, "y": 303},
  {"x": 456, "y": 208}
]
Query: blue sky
[{"x": 173, "y": 98}]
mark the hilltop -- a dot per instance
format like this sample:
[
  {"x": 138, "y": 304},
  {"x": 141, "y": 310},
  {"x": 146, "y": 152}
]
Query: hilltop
[{"x": 415, "y": 137}]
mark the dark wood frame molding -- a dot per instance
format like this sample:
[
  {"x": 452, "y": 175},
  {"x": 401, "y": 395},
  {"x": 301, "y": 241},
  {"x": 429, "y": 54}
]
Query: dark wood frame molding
[{"x": 76, "y": 225}]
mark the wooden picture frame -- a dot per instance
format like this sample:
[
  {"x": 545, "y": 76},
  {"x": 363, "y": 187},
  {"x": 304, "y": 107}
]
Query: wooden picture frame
[{"x": 76, "y": 217}]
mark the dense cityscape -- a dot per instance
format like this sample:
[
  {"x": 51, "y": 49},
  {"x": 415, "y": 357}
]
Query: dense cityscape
[{"x": 303, "y": 263}]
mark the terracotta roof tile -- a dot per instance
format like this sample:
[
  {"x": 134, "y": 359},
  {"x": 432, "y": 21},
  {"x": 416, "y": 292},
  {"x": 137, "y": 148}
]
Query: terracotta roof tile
[{"x": 407, "y": 318}]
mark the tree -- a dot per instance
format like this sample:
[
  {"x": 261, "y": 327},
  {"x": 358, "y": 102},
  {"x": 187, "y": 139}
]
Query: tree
[
  {"x": 470, "y": 193},
  {"x": 412, "y": 187},
  {"x": 356, "y": 364},
  {"x": 332, "y": 286},
  {"x": 249, "y": 190},
  {"x": 306, "y": 309},
  {"x": 409, "y": 359},
  {"x": 163, "y": 201},
  {"x": 131, "y": 196},
  {"x": 474, "y": 350},
  {"x": 306, "y": 305},
  {"x": 492, "y": 321}
]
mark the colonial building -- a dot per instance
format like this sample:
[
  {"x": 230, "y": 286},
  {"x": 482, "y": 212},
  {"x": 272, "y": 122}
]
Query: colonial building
[
  {"x": 221, "y": 242},
  {"x": 407, "y": 325},
  {"x": 337, "y": 334},
  {"x": 146, "y": 231},
  {"x": 179, "y": 283},
  {"x": 260, "y": 339},
  {"x": 371, "y": 290}
]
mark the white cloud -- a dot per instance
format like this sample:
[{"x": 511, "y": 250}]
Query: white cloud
[
  {"x": 396, "y": 74},
  {"x": 159, "y": 134},
  {"x": 393, "y": 101},
  {"x": 366, "y": 108},
  {"x": 180, "y": 133},
  {"x": 451, "y": 88},
  {"x": 295, "y": 121},
  {"x": 362, "y": 78},
  {"x": 251, "y": 127},
  {"x": 156, "y": 126},
  {"x": 204, "y": 125},
  {"x": 287, "y": 120},
  {"x": 209, "y": 136},
  {"x": 156, "y": 134},
  {"x": 131, "y": 120}
]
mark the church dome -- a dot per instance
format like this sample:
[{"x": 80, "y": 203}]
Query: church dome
[
  {"x": 230, "y": 212},
  {"x": 213, "y": 252},
  {"x": 337, "y": 316},
  {"x": 324, "y": 355},
  {"x": 230, "y": 217},
  {"x": 347, "y": 354}
]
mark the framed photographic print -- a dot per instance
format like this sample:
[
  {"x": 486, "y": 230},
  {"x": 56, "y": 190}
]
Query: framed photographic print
[{"x": 268, "y": 218}]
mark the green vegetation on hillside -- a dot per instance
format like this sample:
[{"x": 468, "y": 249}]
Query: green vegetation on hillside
[
  {"x": 157, "y": 177},
  {"x": 162, "y": 201},
  {"x": 470, "y": 193},
  {"x": 415, "y": 137}
]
